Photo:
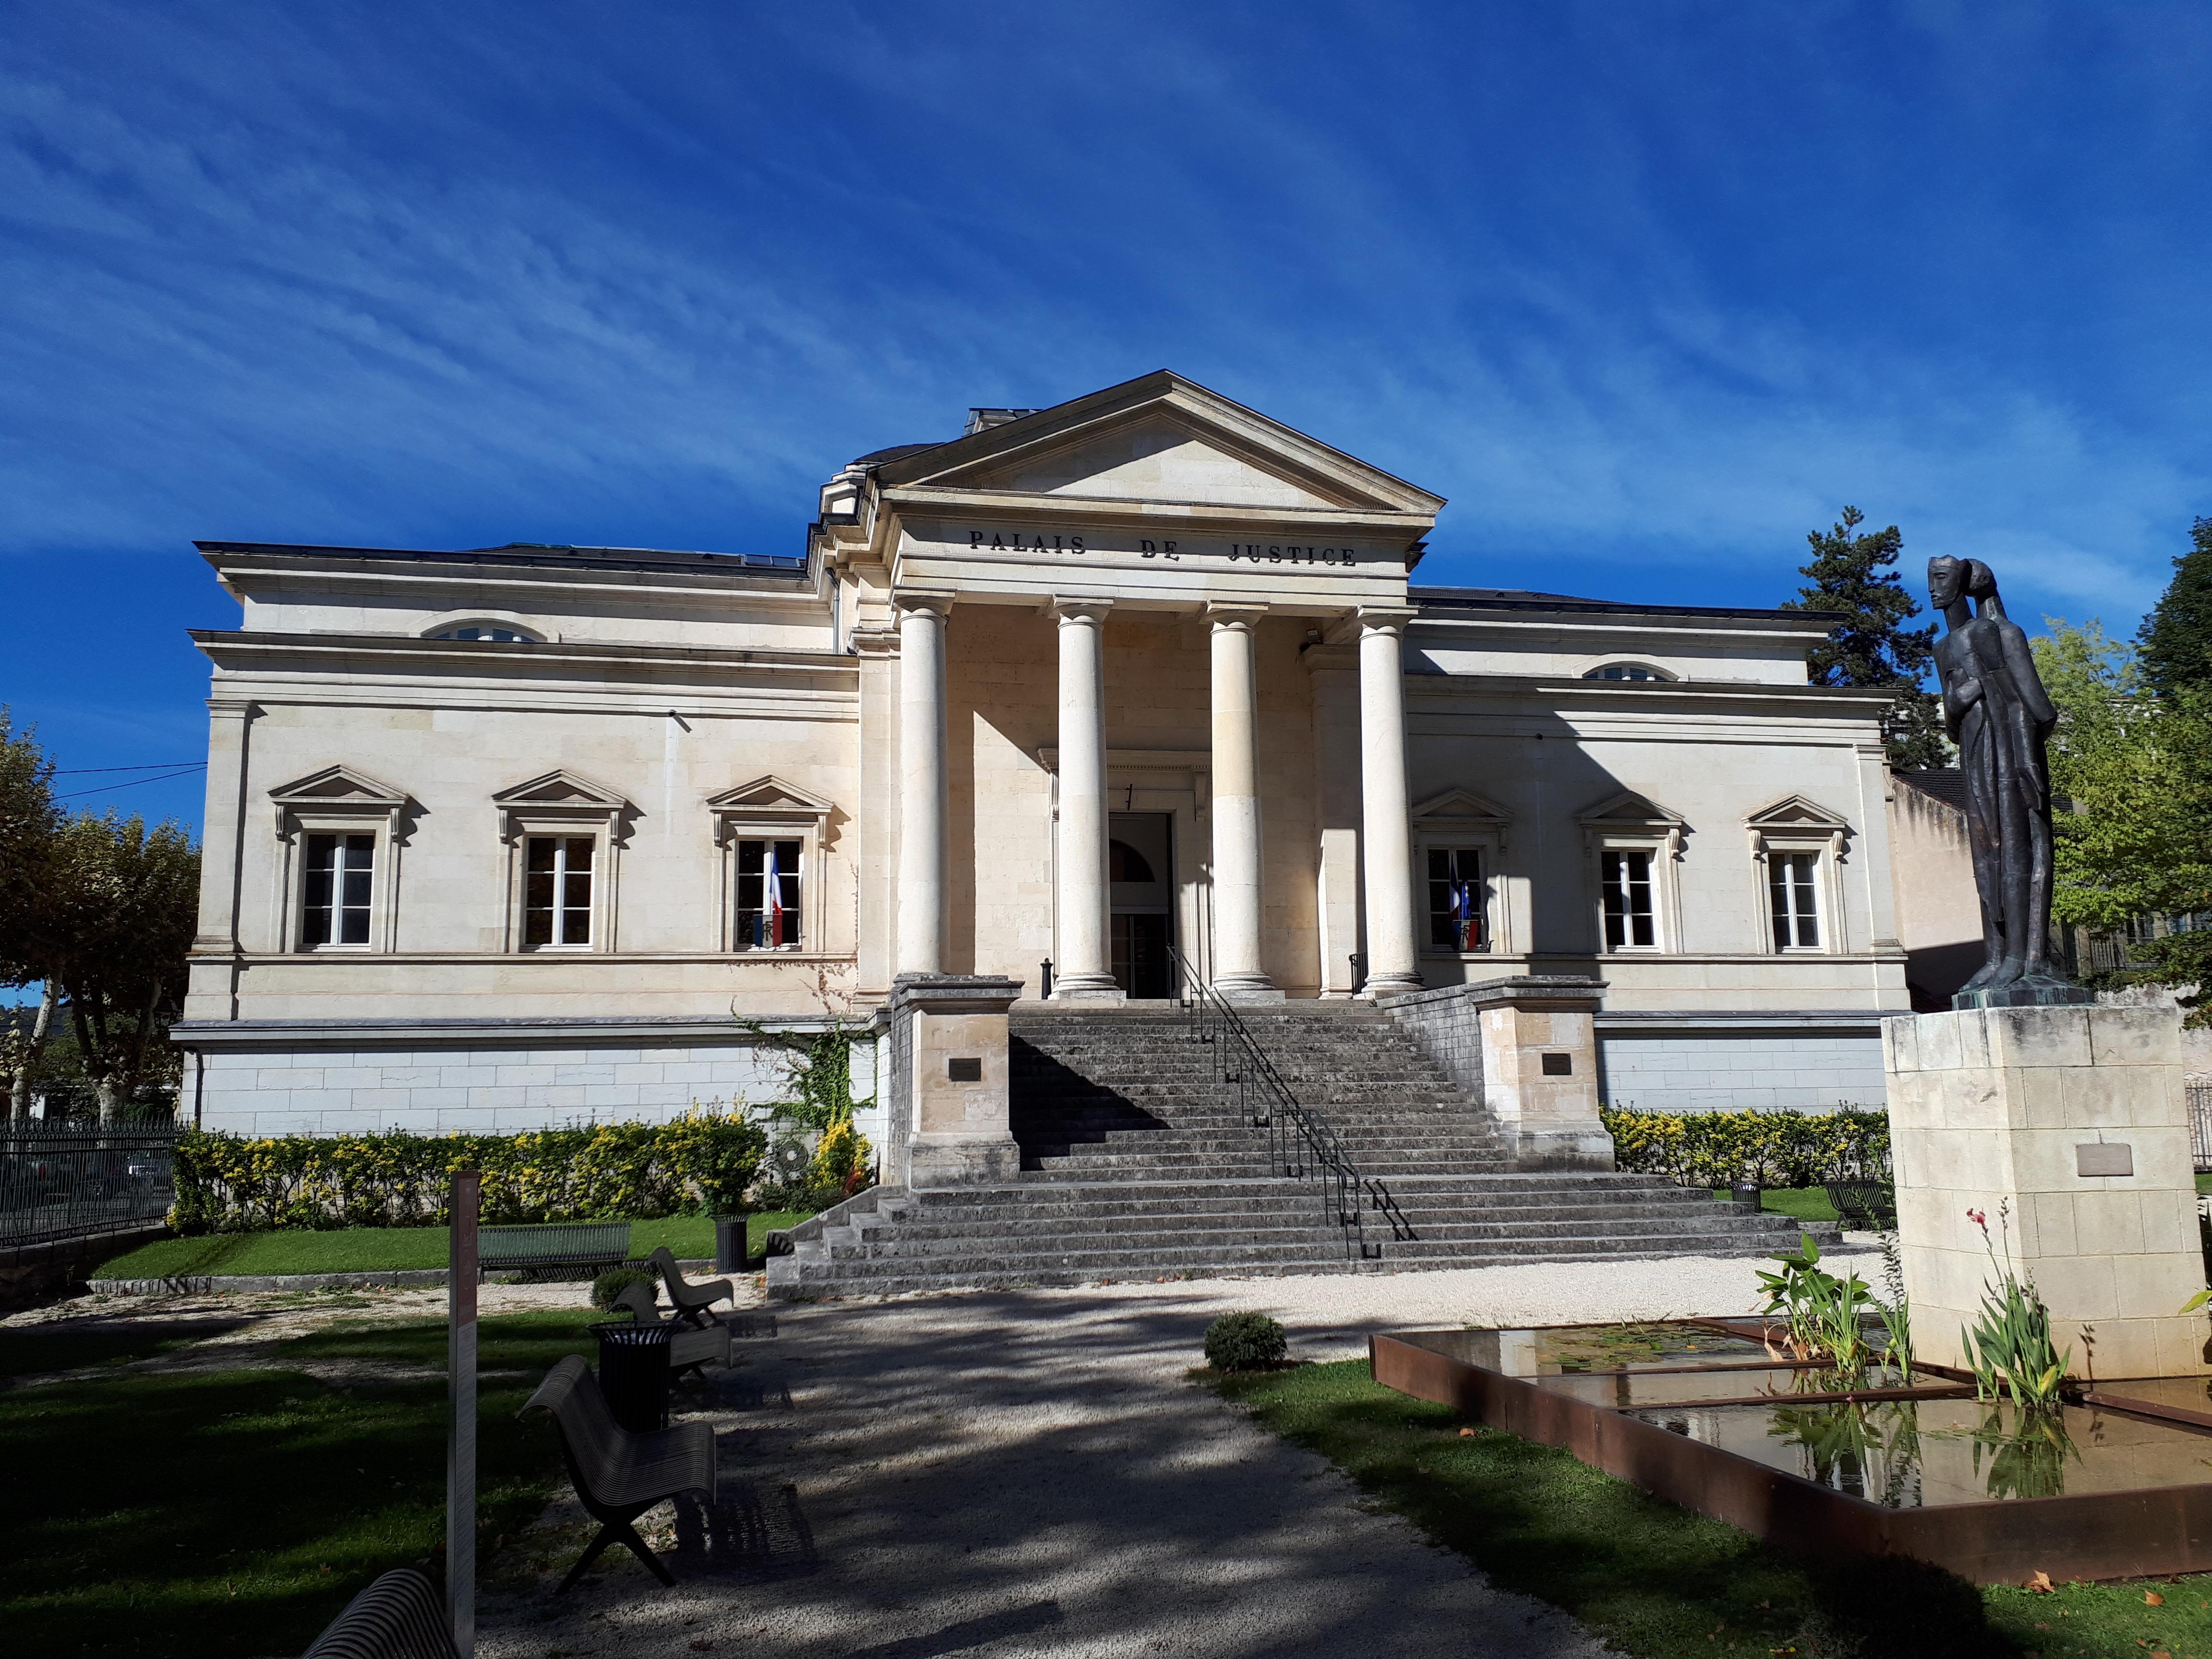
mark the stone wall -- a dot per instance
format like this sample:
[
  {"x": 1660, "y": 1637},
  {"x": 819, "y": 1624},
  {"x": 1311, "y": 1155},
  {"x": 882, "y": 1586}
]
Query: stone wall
[{"x": 1706, "y": 1070}]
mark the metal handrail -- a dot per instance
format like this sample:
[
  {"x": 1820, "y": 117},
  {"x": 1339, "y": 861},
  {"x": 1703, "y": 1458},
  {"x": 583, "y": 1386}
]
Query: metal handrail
[{"x": 1299, "y": 1138}]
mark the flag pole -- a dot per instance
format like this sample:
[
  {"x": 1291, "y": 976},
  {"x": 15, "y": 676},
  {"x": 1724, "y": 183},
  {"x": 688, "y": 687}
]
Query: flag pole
[{"x": 461, "y": 1432}]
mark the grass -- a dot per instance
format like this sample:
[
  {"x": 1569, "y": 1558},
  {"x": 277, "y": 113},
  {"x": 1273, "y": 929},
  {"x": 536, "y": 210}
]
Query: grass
[
  {"x": 190, "y": 1514},
  {"x": 387, "y": 1249},
  {"x": 1657, "y": 1581},
  {"x": 2203, "y": 1185},
  {"x": 1804, "y": 1203}
]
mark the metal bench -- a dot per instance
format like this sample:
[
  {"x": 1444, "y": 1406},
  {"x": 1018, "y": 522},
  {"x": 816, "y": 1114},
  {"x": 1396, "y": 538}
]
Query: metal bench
[
  {"x": 619, "y": 1475},
  {"x": 691, "y": 1302},
  {"x": 402, "y": 1615},
  {"x": 690, "y": 1350},
  {"x": 553, "y": 1244},
  {"x": 1870, "y": 1204}
]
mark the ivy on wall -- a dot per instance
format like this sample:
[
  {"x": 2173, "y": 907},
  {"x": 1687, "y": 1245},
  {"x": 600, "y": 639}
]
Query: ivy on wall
[
  {"x": 1773, "y": 1149},
  {"x": 699, "y": 1163}
]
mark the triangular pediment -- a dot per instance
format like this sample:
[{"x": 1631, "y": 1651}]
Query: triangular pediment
[
  {"x": 1796, "y": 812},
  {"x": 1626, "y": 809},
  {"x": 769, "y": 794},
  {"x": 337, "y": 786},
  {"x": 1160, "y": 438},
  {"x": 559, "y": 787},
  {"x": 1461, "y": 806}
]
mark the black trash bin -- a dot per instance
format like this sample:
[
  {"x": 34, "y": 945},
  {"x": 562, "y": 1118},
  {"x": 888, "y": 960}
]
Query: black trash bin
[
  {"x": 730, "y": 1243},
  {"x": 633, "y": 1373}
]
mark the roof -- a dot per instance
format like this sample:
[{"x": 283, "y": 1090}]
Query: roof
[
  {"x": 1946, "y": 783},
  {"x": 531, "y": 555},
  {"x": 1510, "y": 598},
  {"x": 877, "y": 457}
]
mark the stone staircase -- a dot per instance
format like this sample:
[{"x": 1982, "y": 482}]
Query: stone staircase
[{"x": 1136, "y": 1164}]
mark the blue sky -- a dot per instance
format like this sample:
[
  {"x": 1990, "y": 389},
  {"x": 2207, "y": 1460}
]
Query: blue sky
[{"x": 1648, "y": 290}]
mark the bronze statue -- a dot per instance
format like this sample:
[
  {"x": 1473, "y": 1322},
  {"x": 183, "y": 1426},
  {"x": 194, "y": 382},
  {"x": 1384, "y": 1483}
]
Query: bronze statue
[{"x": 1995, "y": 710}]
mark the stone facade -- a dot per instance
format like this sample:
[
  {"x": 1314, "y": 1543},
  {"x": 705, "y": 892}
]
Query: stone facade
[{"x": 992, "y": 650}]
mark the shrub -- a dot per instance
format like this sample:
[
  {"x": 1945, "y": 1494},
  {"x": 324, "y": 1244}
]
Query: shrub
[
  {"x": 696, "y": 1165},
  {"x": 1773, "y": 1149},
  {"x": 1245, "y": 1342},
  {"x": 613, "y": 1282}
]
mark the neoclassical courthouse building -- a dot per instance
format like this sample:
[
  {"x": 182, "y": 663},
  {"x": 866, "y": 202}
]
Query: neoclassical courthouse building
[{"x": 503, "y": 837}]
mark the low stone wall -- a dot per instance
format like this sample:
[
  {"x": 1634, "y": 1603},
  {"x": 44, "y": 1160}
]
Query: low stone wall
[
  {"x": 1449, "y": 1025},
  {"x": 33, "y": 1274}
]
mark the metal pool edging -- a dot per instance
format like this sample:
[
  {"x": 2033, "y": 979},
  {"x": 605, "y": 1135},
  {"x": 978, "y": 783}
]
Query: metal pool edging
[{"x": 2152, "y": 1532}]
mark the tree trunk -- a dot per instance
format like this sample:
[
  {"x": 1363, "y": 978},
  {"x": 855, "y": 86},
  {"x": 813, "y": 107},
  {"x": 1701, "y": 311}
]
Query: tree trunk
[
  {"x": 104, "y": 1090},
  {"x": 20, "y": 1094}
]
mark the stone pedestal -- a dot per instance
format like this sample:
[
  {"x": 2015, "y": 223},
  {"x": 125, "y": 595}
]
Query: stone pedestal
[
  {"x": 948, "y": 1102},
  {"x": 1528, "y": 1046},
  {"x": 2076, "y": 1116}
]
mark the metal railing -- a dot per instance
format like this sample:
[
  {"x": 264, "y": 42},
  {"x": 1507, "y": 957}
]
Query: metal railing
[
  {"x": 73, "y": 1180},
  {"x": 1301, "y": 1141},
  {"x": 2200, "y": 1126}
]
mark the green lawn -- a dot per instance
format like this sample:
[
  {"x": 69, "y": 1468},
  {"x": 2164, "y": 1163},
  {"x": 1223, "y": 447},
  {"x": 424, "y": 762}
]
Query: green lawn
[
  {"x": 236, "y": 1512},
  {"x": 1805, "y": 1203},
  {"x": 1659, "y": 1582},
  {"x": 387, "y": 1249}
]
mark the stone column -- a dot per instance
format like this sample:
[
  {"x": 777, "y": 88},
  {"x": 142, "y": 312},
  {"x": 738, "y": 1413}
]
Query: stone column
[
  {"x": 1335, "y": 672},
  {"x": 922, "y": 782},
  {"x": 1237, "y": 974},
  {"x": 1086, "y": 970},
  {"x": 2072, "y": 1123},
  {"x": 216, "y": 964},
  {"x": 1386, "y": 834}
]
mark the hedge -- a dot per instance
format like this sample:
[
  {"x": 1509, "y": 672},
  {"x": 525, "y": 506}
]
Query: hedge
[
  {"x": 701, "y": 1162},
  {"x": 1775, "y": 1149}
]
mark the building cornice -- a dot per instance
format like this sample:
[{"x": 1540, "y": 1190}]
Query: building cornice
[{"x": 239, "y": 649}]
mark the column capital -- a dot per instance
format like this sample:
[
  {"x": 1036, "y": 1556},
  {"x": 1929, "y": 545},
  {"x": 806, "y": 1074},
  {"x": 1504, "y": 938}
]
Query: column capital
[
  {"x": 1384, "y": 618},
  {"x": 236, "y": 709},
  {"x": 1225, "y": 613},
  {"x": 909, "y": 601},
  {"x": 1072, "y": 608}
]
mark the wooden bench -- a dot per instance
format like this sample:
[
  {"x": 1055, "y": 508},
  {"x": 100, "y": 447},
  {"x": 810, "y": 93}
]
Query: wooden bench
[
  {"x": 402, "y": 1615},
  {"x": 690, "y": 1350},
  {"x": 619, "y": 1475},
  {"x": 691, "y": 1302},
  {"x": 553, "y": 1244}
]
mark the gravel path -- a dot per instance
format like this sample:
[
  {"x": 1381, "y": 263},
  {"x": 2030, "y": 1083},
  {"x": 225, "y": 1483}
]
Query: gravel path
[{"x": 1028, "y": 1473}]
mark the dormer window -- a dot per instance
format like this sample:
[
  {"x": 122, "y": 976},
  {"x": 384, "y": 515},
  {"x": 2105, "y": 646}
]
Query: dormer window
[
  {"x": 491, "y": 633},
  {"x": 1627, "y": 670}
]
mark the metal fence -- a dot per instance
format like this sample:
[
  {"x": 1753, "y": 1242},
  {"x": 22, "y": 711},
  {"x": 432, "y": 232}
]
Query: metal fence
[
  {"x": 73, "y": 1180},
  {"x": 2200, "y": 1126}
]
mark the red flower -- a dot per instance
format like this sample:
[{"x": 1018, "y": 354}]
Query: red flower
[{"x": 1979, "y": 1220}]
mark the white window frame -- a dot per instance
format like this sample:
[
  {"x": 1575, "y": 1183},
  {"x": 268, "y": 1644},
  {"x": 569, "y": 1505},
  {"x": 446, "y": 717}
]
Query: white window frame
[
  {"x": 561, "y": 803},
  {"x": 1632, "y": 824},
  {"x": 770, "y": 809},
  {"x": 337, "y": 800},
  {"x": 1461, "y": 818},
  {"x": 562, "y": 841},
  {"x": 1795, "y": 824}
]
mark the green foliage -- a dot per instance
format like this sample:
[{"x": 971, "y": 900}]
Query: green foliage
[
  {"x": 1823, "y": 1311},
  {"x": 2175, "y": 640},
  {"x": 613, "y": 1282},
  {"x": 1774, "y": 1149},
  {"x": 1854, "y": 574},
  {"x": 2009, "y": 1347},
  {"x": 696, "y": 1165},
  {"x": 1245, "y": 1342},
  {"x": 29, "y": 821}
]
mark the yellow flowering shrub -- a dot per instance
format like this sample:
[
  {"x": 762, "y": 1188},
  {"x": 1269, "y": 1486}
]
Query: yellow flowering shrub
[{"x": 1775, "y": 1149}]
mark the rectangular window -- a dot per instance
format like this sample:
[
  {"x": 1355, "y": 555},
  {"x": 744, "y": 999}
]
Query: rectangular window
[
  {"x": 1458, "y": 900},
  {"x": 556, "y": 904},
  {"x": 334, "y": 905},
  {"x": 1790, "y": 897},
  {"x": 1627, "y": 900},
  {"x": 768, "y": 896}
]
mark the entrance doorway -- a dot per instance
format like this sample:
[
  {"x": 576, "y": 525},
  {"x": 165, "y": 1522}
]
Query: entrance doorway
[{"x": 1140, "y": 857}]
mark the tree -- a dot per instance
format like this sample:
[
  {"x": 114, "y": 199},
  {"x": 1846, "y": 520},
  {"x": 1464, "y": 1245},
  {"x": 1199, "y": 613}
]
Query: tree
[
  {"x": 29, "y": 821},
  {"x": 2132, "y": 771},
  {"x": 2174, "y": 644},
  {"x": 1871, "y": 646},
  {"x": 126, "y": 904}
]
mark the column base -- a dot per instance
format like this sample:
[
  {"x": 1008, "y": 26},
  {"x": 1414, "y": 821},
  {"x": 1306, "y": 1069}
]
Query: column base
[
  {"x": 1391, "y": 984},
  {"x": 1087, "y": 987},
  {"x": 1247, "y": 987}
]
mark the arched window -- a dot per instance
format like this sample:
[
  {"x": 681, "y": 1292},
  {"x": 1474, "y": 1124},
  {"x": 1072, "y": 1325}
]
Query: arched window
[
  {"x": 1125, "y": 863},
  {"x": 1627, "y": 670},
  {"x": 492, "y": 633}
]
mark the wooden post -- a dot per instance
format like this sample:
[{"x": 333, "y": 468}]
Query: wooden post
[{"x": 461, "y": 1432}]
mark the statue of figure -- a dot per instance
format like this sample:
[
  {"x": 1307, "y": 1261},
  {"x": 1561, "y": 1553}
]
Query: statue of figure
[{"x": 1995, "y": 710}]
